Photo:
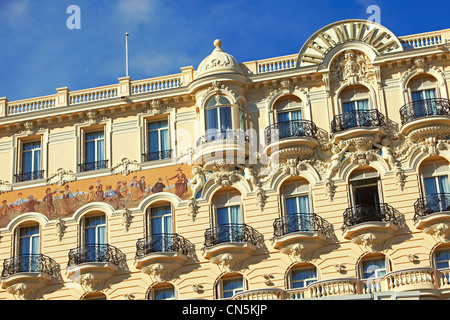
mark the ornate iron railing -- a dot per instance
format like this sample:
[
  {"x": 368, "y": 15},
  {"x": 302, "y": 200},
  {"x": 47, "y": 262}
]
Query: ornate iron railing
[
  {"x": 90, "y": 166},
  {"x": 27, "y": 176},
  {"x": 237, "y": 135},
  {"x": 368, "y": 213},
  {"x": 162, "y": 242},
  {"x": 94, "y": 253},
  {"x": 158, "y": 155},
  {"x": 297, "y": 222},
  {"x": 290, "y": 129},
  {"x": 438, "y": 202},
  {"x": 29, "y": 263},
  {"x": 231, "y": 233},
  {"x": 356, "y": 119},
  {"x": 424, "y": 108}
]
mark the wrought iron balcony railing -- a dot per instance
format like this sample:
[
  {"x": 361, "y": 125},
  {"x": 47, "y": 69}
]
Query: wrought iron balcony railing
[
  {"x": 368, "y": 213},
  {"x": 90, "y": 166},
  {"x": 236, "y": 135},
  {"x": 297, "y": 222},
  {"x": 231, "y": 233},
  {"x": 94, "y": 253},
  {"x": 438, "y": 202},
  {"x": 290, "y": 129},
  {"x": 424, "y": 108},
  {"x": 162, "y": 242},
  {"x": 28, "y": 176},
  {"x": 357, "y": 119},
  {"x": 29, "y": 263},
  {"x": 158, "y": 155}
]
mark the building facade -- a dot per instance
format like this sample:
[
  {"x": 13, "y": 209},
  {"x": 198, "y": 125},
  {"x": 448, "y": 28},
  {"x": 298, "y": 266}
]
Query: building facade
[{"x": 322, "y": 174}]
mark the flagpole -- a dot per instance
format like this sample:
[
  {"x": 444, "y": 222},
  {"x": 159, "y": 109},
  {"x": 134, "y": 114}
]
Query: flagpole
[{"x": 126, "y": 53}]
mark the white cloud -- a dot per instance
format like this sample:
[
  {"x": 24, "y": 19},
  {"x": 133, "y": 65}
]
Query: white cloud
[{"x": 133, "y": 12}]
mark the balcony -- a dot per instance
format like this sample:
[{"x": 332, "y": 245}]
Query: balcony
[
  {"x": 299, "y": 235},
  {"x": 91, "y": 166},
  {"x": 412, "y": 283},
  {"x": 229, "y": 245},
  {"x": 28, "y": 176},
  {"x": 91, "y": 265},
  {"x": 158, "y": 155},
  {"x": 161, "y": 254},
  {"x": 24, "y": 275},
  {"x": 357, "y": 124},
  {"x": 422, "y": 118},
  {"x": 301, "y": 135},
  {"x": 432, "y": 215},
  {"x": 370, "y": 225},
  {"x": 231, "y": 146}
]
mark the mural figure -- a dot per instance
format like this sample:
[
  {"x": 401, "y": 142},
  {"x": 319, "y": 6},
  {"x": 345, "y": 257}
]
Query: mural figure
[
  {"x": 181, "y": 183},
  {"x": 159, "y": 186},
  {"x": 48, "y": 200},
  {"x": 68, "y": 202}
]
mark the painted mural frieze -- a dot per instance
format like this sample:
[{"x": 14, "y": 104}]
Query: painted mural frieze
[{"x": 62, "y": 198}]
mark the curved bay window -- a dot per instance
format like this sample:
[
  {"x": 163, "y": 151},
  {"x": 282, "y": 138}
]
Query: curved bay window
[
  {"x": 218, "y": 118},
  {"x": 435, "y": 189},
  {"x": 357, "y": 109}
]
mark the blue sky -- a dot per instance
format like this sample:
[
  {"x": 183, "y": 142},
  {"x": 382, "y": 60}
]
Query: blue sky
[{"x": 39, "y": 53}]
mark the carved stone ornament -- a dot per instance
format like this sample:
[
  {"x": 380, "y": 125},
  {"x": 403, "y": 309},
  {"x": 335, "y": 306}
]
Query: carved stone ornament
[
  {"x": 261, "y": 198},
  {"x": 5, "y": 186},
  {"x": 352, "y": 67},
  {"x": 440, "y": 231},
  {"x": 371, "y": 241},
  {"x": 223, "y": 174},
  {"x": 22, "y": 291},
  {"x": 192, "y": 209},
  {"x": 125, "y": 167},
  {"x": 61, "y": 177},
  {"x": 30, "y": 128},
  {"x": 198, "y": 180},
  {"x": 126, "y": 219},
  {"x": 60, "y": 228},
  {"x": 92, "y": 282},
  {"x": 230, "y": 262},
  {"x": 298, "y": 252},
  {"x": 161, "y": 272}
]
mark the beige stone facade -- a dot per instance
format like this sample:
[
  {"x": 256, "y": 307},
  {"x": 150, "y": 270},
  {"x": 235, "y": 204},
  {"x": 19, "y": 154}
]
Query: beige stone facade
[{"x": 322, "y": 174}]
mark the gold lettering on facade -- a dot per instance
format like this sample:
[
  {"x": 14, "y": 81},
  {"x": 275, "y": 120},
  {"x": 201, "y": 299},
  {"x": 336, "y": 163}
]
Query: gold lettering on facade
[{"x": 350, "y": 31}]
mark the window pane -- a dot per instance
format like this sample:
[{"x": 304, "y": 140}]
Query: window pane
[
  {"x": 303, "y": 277},
  {"x": 89, "y": 151},
  {"x": 212, "y": 120},
  {"x": 374, "y": 268},
  {"x": 348, "y": 106},
  {"x": 225, "y": 118},
  {"x": 164, "y": 294},
  {"x": 430, "y": 186}
]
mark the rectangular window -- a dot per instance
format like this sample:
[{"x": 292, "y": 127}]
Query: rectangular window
[
  {"x": 30, "y": 162},
  {"x": 95, "y": 247},
  {"x": 94, "y": 151},
  {"x": 158, "y": 141}
]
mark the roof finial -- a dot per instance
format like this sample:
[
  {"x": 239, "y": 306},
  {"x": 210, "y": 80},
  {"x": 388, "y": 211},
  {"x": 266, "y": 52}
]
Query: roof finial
[{"x": 217, "y": 43}]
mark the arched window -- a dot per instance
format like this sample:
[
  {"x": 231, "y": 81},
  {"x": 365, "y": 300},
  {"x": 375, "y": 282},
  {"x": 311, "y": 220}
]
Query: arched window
[
  {"x": 95, "y": 242},
  {"x": 371, "y": 269},
  {"x": 28, "y": 248},
  {"x": 163, "y": 291},
  {"x": 229, "y": 285},
  {"x": 160, "y": 227},
  {"x": 355, "y": 98},
  {"x": 423, "y": 87},
  {"x": 301, "y": 276},
  {"x": 94, "y": 296},
  {"x": 365, "y": 186},
  {"x": 288, "y": 108},
  {"x": 228, "y": 216},
  {"x": 435, "y": 187},
  {"x": 297, "y": 206}
]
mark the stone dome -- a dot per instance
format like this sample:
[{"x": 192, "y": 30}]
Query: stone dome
[{"x": 218, "y": 62}]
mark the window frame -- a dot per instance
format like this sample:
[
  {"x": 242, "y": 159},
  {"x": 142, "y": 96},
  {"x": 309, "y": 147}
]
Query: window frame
[
  {"x": 220, "y": 292},
  {"x": 300, "y": 269}
]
